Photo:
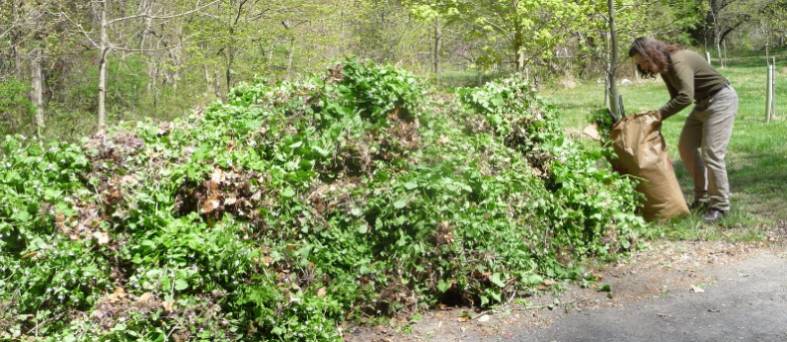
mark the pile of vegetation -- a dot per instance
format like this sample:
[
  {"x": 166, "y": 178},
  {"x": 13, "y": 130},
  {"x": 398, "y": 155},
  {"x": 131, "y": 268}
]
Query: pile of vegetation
[{"x": 296, "y": 206}]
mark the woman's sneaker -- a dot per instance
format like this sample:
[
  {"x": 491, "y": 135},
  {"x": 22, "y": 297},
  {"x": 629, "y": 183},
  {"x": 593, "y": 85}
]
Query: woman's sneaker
[
  {"x": 713, "y": 215},
  {"x": 699, "y": 205}
]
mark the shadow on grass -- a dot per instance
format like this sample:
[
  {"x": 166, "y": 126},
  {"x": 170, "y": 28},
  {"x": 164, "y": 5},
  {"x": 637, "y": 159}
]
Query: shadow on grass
[{"x": 759, "y": 186}]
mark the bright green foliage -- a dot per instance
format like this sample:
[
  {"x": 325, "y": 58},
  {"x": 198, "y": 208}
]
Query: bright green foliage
[
  {"x": 295, "y": 206},
  {"x": 15, "y": 107},
  {"x": 529, "y": 30},
  {"x": 590, "y": 203}
]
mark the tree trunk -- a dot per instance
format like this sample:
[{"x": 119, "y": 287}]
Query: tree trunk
[
  {"x": 207, "y": 79},
  {"x": 15, "y": 42},
  {"x": 37, "y": 93},
  {"x": 519, "y": 55},
  {"x": 718, "y": 51},
  {"x": 438, "y": 41},
  {"x": 613, "y": 61},
  {"x": 519, "y": 39},
  {"x": 714, "y": 12},
  {"x": 102, "y": 76},
  {"x": 152, "y": 74},
  {"x": 290, "y": 57},
  {"x": 767, "y": 33},
  {"x": 102, "y": 90},
  {"x": 177, "y": 57},
  {"x": 217, "y": 85},
  {"x": 230, "y": 61}
]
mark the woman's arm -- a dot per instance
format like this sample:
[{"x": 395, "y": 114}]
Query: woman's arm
[{"x": 681, "y": 93}]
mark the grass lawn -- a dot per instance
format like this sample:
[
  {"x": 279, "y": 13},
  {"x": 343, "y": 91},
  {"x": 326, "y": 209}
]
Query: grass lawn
[{"x": 756, "y": 159}]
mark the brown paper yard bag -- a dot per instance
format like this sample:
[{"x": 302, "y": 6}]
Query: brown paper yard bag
[{"x": 642, "y": 152}]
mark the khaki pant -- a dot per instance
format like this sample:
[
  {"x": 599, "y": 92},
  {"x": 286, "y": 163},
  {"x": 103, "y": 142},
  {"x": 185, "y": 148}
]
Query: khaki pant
[{"x": 703, "y": 145}]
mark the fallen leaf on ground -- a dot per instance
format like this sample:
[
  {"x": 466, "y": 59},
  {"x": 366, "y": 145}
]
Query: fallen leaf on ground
[
  {"x": 697, "y": 289},
  {"x": 101, "y": 237}
]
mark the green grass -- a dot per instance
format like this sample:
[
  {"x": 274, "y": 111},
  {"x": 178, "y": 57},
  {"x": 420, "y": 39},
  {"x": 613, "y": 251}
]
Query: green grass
[{"x": 756, "y": 160}]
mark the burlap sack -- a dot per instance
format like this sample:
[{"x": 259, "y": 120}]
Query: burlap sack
[{"x": 641, "y": 152}]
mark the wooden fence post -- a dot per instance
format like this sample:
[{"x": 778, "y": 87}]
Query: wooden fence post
[
  {"x": 773, "y": 88},
  {"x": 769, "y": 100}
]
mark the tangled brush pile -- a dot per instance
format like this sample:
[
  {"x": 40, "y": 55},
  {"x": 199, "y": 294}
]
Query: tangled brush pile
[{"x": 297, "y": 206}]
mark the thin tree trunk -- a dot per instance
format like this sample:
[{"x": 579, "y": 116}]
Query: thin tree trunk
[
  {"x": 719, "y": 52},
  {"x": 152, "y": 75},
  {"x": 177, "y": 58},
  {"x": 342, "y": 32},
  {"x": 102, "y": 77},
  {"x": 231, "y": 47},
  {"x": 613, "y": 60},
  {"x": 767, "y": 32},
  {"x": 217, "y": 85},
  {"x": 102, "y": 91},
  {"x": 207, "y": 79},
  {"x": 153, "y": 72},
  {"x": 717, "y": 36},
  {"x": 290, "y": 57},
  {"x": 228, "y": 72},
  {"x": 37, "y": 93},
  {"x": 17, "y": 62},
  {"x": 15, "y": 41},
  {"x": 438, "y": 41},
  {"x": 519, "y": 55}
]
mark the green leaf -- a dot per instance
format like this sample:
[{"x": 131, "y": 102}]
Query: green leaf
[
  {"x": 181, "y": 284},
  {"x": 357, "y": 212},
  {"x": 21, "y": 216},
  {"x": 496, "y": 295},
  {"x": 321, "y": 151},
  {"x": 288, "y": 193},
  {"x": 401, "y": 203},
  {"x": 533, "y": 279},
  {"x": 443, "y": 285},
  {"x": 484, "y": 300},
  {"x": 497, "y": 279},
  {"x": 51, "y": 194}
]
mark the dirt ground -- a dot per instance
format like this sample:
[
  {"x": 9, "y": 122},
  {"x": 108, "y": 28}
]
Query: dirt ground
[{"x": 665, "y": 272}]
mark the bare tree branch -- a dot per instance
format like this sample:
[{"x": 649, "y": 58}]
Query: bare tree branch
[
  {"x": 240, "y": 11},
  {"x": 165, "y": 17},
  {"x": 80, "y": 28},
  {"x": 16, "y": 24},
  {"x": 128, "y": 49}
]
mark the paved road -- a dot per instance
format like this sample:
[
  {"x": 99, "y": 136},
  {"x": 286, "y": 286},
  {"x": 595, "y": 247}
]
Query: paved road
[{"x": 747, "y": 303}]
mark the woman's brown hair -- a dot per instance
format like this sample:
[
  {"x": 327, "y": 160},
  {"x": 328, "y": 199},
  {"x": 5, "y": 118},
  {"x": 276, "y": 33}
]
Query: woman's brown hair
[{"x": 655, "y": 51}]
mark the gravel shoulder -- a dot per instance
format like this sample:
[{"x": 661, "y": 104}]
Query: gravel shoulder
[{"x": 671, "y": 291}]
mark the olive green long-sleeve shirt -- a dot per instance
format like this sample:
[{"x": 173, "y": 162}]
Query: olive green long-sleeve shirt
[{"x": 689, "y": 78}]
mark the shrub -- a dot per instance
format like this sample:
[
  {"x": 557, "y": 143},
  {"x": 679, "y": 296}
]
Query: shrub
[
  {"x": 15, "y": 107},
  {"x": 298, "y": 205}
]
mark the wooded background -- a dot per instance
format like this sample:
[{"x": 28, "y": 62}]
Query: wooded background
[{"x": 70, "y": 67}]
